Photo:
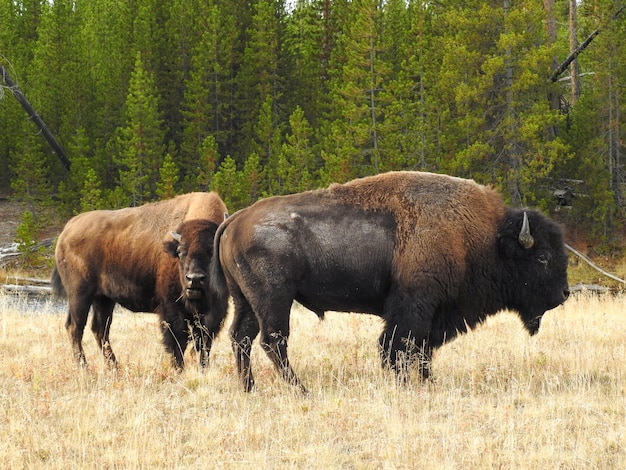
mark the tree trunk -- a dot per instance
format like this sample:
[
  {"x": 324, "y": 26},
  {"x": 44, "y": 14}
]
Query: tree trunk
[
  {"x": 32, "y": 114},
  {"x": 561, "y": 68},
  {"x": 573, "y": 44}
]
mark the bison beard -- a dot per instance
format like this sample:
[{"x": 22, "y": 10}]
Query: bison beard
[{"x": 431, "y": 254}]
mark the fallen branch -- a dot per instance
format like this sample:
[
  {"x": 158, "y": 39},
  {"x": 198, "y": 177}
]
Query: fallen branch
[
  {"x": 29, "y": 290},
  {"x": 594, "y": 266}
]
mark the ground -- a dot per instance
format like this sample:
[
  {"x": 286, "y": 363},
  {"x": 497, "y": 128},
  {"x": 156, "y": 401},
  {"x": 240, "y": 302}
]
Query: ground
[{"x": 10, "y": 217}]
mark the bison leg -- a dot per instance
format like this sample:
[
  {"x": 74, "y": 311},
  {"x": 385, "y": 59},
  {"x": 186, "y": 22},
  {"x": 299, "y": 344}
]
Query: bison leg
[
  {"x": 274, "y": 336},
  {"x": 101, "y": 325},
  {"x": 79, "y": 302},
  {"x": 275, "y": 346},
  {"x": 204, "y": 330},
  {"x": 399, "y": 349},
  {"x": 405, "y": 337},
  {"x": 202, "y": 345},
  {"x": 175, "y": 341},
  {"x": 243, "y": 330}
]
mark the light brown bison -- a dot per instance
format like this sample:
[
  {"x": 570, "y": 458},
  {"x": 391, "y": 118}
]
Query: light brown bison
[
  {"x": 432, "y": 255},
  {"x": 128, "y": 257}
]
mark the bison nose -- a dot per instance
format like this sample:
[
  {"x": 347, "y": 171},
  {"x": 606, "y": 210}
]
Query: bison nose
[{"x": 195, "y": 279}]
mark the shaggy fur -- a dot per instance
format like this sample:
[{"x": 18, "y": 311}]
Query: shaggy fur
[
  {"x": 108, "y": 257},
  {"x": 430, "y": 254}
]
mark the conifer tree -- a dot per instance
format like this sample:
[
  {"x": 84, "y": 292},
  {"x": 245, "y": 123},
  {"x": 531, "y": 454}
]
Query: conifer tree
[
  {"x": 207, "y": 163},
  {"x": 259, "y": 79},
  {"x": 228, "y": 183},
  {"x": 251, "y": 182},
  {"x": 296, "y": 157},
  {"x": 91, "y": 193},
  {"x": 166, "y": 187},
  {"x": 304, "y": 44},
  {"x": 141, "y": 139},
  {"x": 356, "y": 114},
  {"x": 266, "y": 146},
  {"x": 107, "y": 62},
  {"x": 207, "y": 105}
]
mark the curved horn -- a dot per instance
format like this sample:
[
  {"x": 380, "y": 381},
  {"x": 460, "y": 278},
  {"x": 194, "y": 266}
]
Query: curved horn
[
  {"x": 524, "y": 237},
  {"x": 176, "y": 236}
]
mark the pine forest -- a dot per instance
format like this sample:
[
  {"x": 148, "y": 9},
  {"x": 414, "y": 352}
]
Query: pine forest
[{"x": 253, "y": 98}]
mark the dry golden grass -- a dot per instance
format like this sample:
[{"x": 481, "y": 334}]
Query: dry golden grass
[{"x": 500, "y": 399}]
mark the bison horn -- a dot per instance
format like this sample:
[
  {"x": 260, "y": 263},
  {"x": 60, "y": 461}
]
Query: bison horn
[
  {"x": 176, "y": 236},
  {"x": 525, "y": 238}
]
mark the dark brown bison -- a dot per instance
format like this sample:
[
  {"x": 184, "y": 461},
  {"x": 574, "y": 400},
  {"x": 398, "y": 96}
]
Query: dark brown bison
[
  {"x": 432, "y": 255},
  {"x": 152, "y": 258}
]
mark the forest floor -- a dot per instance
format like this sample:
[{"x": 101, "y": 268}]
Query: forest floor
[{"x": 10, "y": 217}]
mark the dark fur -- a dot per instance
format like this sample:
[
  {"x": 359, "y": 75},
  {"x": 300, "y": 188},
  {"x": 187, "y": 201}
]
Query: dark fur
[
  {"x": 129, "y": 257},
  {"x": 430, "y": 254}
]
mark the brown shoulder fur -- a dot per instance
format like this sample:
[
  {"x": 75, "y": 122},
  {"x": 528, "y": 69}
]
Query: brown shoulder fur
[{"x": 434, "y": 214}]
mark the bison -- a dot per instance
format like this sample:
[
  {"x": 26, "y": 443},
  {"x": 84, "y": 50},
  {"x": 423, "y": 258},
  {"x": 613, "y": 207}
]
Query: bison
[
  {"x": 128, "y": 257},
  {"x": 432, "y": 255}
]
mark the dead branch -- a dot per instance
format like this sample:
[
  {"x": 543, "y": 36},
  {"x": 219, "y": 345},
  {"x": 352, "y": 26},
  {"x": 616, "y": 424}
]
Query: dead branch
[
  {"x": 594, "y": 266},
  {"x": 570, "y": 58}
]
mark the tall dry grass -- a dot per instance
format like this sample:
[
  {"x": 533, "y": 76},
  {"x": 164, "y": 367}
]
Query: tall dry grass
[{"x": 499, "y": 398}]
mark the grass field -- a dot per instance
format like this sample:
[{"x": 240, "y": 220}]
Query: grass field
[{"x": 499, "y": 398}]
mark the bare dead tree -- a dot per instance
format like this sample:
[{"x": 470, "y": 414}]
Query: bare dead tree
[
  {"x": 565, "y": 64},
  {"x": 34, "y": 116}
]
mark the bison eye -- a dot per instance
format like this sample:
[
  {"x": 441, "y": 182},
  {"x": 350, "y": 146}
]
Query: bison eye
[
  {"x": 544, "y": 259},
  {"x": 181, "y": 251}
]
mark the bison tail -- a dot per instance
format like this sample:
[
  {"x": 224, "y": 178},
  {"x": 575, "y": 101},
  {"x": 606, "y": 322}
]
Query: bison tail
[
  {"x": 217, "y": 281},
  {"x": 58, "y": 289}
]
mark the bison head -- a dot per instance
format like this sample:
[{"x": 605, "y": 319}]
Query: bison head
[
  {"x": 192, "y": 244},
  {"x": 533, "y": 252}
]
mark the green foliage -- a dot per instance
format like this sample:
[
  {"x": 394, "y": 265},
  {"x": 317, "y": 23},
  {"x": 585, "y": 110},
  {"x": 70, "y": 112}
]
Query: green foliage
[
  {"x": 228, "y": 183},
  {"x": 91, "y": 194},
  {"x": 26, "y": 239},
  {"x": 169, "y": 177},
  {"x": 141, "y": 139},
  {"x": 257, "y": 99}
]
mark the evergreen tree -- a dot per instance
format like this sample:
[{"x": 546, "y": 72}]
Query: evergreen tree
[
  {"x": 259, "y": 78},
  {"x": 107, "y": 62},
  {"x": 304, "y": 34},
  {"x": 251, "y": 182},
  {"x": 228, "y": 183},
  {"x": 70, "y": 189},
  {"x": 207, "y": 163},
  {"x": 407, "y": 137},
  {"x": 30, "y": 183},
  {"x": 207, "y": 106},
  {"x": 90, "y": 193},
  {"x": 356, "y": 114},
  {"x": 51, "y": 75},
  {"x": 141, "y": 140},
  {"x": 166, "y": 187},
  {"x": 266, "y": 147},
  {"x": 296, "y": 157}
]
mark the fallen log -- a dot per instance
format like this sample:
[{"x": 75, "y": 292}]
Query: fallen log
[
  {"x": 27, "y": 290},
  {"x": 591, "y": 288},
  {"x": 593, "y": 265}
]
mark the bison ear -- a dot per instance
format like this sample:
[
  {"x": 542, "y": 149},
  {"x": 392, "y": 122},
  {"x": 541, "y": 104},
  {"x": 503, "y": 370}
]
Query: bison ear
[{"x": 171, "y": 246}]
